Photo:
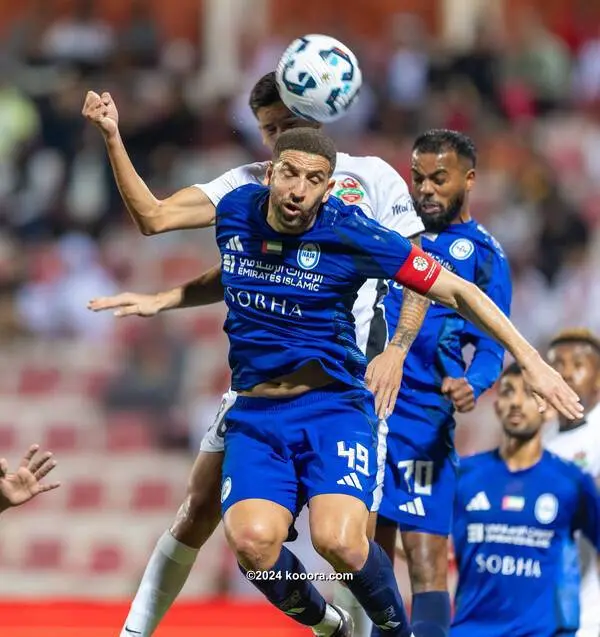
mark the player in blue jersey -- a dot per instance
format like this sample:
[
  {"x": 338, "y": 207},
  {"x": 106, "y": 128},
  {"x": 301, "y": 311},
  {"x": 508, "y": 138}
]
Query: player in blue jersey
[
  {"x": 25, "y": 483},
  {"x": 292, "y": 261},
  {"x": 421, "y": 463},
  {"x": 516, "y": 511},
  {"x": 382, "y": 195}
]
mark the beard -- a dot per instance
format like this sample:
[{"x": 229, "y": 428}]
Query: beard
[
  {"x": 438, "y": 221},
  {"x": 522, "y": 435}
]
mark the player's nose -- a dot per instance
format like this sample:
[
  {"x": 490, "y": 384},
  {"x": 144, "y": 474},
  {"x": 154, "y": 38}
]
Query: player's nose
[
  {"x": 426, "y": 187},
  {"x": 298, "y": 193}
]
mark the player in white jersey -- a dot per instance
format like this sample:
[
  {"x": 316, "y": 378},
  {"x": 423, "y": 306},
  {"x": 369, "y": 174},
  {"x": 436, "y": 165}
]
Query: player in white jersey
[
  {"x": 368, "y": 182},
  {"x": 575, "y": 354}
]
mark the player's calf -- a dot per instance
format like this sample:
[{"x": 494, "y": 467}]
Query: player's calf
[
  {"x": 200, "y": 513},
  {"x": 427, "y": 560},
  {"x": 338, "y": 526}
]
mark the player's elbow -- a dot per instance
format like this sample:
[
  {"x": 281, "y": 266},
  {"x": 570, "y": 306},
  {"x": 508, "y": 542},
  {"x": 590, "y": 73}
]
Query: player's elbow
[{"x": 155, "y": 221}]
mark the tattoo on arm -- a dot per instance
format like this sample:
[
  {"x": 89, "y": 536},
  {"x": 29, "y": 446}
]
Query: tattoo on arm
[{"x": 412, "y": 314}]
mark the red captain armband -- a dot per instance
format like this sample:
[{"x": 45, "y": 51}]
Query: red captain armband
[{"x": 419, "y": 272}]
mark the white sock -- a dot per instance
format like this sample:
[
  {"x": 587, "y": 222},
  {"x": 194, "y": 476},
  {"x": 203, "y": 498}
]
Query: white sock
[
  {"x": 344, "y": 598},
  {"x": 329, "y": 624},
  {"x": 164, "y": 577}
]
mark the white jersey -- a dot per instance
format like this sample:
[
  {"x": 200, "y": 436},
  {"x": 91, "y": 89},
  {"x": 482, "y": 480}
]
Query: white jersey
[
  {"x": 372, "y": 184},
  {"x": 582, "y": 446}
]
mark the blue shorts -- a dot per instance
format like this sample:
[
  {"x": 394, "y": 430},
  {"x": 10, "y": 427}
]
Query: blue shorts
[
  {"x": 288, "y": 451},
  {"x": 420, "y": 469}
]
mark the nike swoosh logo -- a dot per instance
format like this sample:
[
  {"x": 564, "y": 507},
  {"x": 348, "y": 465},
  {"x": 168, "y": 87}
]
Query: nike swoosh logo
[{"x": 132, "y": 632}]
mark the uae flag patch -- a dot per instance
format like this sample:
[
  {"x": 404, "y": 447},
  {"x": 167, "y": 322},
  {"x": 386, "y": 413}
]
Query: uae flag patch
[
  {"x": 272, "y": 247},
  {"x": 513, "y": 503}
]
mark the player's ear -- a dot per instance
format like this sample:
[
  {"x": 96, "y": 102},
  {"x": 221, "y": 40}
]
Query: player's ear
[
  {"x": 470, "y": 178},
  {"x": 597, "y": 384},
  {"x": 496, "y": 408},
  {"x": 268, "y": 175},
  {"x": 330, "y": 186}
]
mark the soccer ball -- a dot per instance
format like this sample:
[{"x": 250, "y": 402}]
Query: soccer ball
[{"x": 318, "y": 78}]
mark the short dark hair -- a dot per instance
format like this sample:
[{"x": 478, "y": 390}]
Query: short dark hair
[
  {"x": 512, "y": 369},
  {"x": 438, "y": 140},
  {"x": 578, "y": 335},
  {"x": 307, "y": 140},
  {"x": 264, "y": 93}
]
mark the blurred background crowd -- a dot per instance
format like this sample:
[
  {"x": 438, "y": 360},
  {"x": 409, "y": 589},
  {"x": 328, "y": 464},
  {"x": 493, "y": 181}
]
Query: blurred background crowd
[{"x": 126, "y": 402}]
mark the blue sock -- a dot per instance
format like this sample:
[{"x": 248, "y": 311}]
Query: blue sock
[
  {"x": 431, "y": 614},
  {"x": 298, "y": 599},
  {"x": 376, "y": 590}
]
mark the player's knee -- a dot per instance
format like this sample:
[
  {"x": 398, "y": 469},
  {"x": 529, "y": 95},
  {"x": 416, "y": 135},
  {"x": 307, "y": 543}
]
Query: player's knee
[
  {"x": 256, "y": 544},
  {"x": 344, "y": 550}
]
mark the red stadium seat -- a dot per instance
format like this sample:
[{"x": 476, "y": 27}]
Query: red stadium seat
[
  {"x": 85, "y": 495},
  {"x": 44, "y": 554},
  {"x": 8, "y": 438},
  {"x": 207, "y": 327},
  {"x": 152, "y": 494},
  {"x": 176, "y": 268},
  {"x": 61, "y": 437},
  {"x": 36, "y": 380},
  {"x": 129, "y": 432},
  {"x": 106, "y": 558}
]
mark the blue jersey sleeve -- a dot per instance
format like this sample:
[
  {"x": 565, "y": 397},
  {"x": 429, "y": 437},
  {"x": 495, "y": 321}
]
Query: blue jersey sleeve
[
  {"x": 587, "y": 515},
  {"x": 380, "y": 253},
  {"x": 493, "y": 278}
]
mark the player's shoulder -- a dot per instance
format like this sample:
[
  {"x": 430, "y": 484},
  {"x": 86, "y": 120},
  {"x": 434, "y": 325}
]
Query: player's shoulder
[
  {"x": 244, "y": 193},
  {"x": 250, "y": 173},
  {"x": 370, "y": 169},
  {"x": 242, "y": 198},
  {"x": 473, "y": 464},
  {"x": 349, "y": 222},
  {"x": 485, "y": 239},
  {"x": 337, "y": 212},
  {"x": 566, "y": 469}
]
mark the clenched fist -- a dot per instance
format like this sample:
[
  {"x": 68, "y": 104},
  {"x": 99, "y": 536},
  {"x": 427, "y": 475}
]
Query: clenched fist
[
  {"x": 101, "y": 110},
  {"x": 460, "y": 392}
]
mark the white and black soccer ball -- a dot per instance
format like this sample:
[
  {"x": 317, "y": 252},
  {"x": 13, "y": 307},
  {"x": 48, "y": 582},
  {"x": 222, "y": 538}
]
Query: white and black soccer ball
[{"x": 318, "y": 78}]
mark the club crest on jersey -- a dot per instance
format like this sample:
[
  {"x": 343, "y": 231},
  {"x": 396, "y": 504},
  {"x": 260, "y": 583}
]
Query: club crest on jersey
[
  {"x": 546, "y": 508},
  {"x": 462, "y": 249},
  {"x": 350, "y": 190},
  {"x": 308, "y": 255},
  {"x": 225, "y": 489}
]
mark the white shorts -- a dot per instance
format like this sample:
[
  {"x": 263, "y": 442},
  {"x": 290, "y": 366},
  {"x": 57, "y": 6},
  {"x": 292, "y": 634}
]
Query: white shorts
[
  {"x": 214, "y": 438},
  {"x": 214, "y": 442}
]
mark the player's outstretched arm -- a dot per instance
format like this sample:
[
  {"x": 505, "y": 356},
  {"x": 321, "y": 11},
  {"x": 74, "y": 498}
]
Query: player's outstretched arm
[
  {"x": 23, "y": 485},
  {"x": 471, "y": 303},
  {"x": 384, "y": 373},
  {"x": 205, "y": 290},
  {"x": 187, "y": 208}
]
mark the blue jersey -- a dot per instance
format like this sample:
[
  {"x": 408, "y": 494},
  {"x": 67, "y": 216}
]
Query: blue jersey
[
  {"x": 290, "y": 297},
  {"x": 516, "y": 557},
  {"x": 469, "y": 251}
]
